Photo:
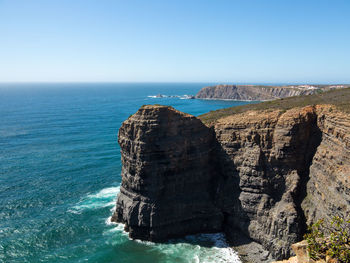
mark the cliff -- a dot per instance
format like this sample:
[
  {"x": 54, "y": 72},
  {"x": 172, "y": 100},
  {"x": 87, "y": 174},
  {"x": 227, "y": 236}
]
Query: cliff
[
  {"x": 270, "y": 153},
  {"x": 261, "y": 93},
  {"x": 260, "y": 173},
  {"x": 167, "y": 175},
  {"x": 328, "y": 188}
]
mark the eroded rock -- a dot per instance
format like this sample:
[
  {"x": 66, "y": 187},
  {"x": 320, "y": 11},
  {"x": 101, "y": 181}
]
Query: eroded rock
[
  {"x": 167, "y": 175},
  {"x": 261, "y": 173}
]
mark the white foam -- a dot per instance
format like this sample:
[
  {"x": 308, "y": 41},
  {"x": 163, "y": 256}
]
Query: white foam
[
  {"x": 148, "y": 243},
  {"x": 216, "y": 249},
  {"x": 106, "y": 192},
  {"x": 118, "y": 228},
  {"x": 219, "y": 252},
  {"x": 104, "y": 198},
  {"x": 109, "y": 221},
  {"x": 201, "y": 248}
]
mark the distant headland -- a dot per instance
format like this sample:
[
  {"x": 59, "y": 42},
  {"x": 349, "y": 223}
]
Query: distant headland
[{"x": 262, "y": 92}]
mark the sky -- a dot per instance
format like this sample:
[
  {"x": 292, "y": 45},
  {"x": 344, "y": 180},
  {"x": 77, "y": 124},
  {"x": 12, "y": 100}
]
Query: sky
[{"x": 233, "y": 41}]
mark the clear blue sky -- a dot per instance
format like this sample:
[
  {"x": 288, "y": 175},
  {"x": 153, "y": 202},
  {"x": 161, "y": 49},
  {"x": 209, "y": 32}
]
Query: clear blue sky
[{"x": 262, "y": 41}]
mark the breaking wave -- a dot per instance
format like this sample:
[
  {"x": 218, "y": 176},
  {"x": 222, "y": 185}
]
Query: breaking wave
[
  {"x": 104, "y": 198},
  {"x": 200, "y": 248}
]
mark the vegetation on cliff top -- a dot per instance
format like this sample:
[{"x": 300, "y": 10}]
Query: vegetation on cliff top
[
  {"x": 339, "y": 98},
  {"x": 329, "y": 239}
]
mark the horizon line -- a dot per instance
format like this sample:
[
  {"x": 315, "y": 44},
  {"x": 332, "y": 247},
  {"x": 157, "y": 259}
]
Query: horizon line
[{"x": 177, "y": 82}]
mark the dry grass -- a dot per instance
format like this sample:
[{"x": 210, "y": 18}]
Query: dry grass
[{"x": 340, "y": 98}]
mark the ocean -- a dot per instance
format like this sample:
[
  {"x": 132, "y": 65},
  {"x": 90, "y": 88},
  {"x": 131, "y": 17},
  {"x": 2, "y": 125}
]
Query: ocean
[{"x": 60, "y": 174}]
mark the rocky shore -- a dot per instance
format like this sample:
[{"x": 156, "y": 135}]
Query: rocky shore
[{"x": 259, "y": 176}]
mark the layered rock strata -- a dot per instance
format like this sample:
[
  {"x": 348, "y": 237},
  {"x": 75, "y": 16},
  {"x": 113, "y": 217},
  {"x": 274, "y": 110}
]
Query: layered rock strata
[
  {"x": 261, "y": 173},
  {"x": 328, "y": 190},
  {"x": 271, "y": 153},
  {"x": 252, "y": 92},
  {"x": 260, "y": 92},
  {"x": 167, "y": 175}
]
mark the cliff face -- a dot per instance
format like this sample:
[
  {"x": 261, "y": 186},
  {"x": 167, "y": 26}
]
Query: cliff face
[
  {"x": 270, "y": 153},
  {"x": 328, "y": 190},
  {"x": 261, "y": 173},
  {"x": 251, "y": 92},
  {"x": 167, "y": 175}
]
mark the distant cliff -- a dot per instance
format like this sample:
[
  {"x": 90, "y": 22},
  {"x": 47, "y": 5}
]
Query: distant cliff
[
  {"x": 260, "y": 173},
  {"x": 259, "y": 92}
]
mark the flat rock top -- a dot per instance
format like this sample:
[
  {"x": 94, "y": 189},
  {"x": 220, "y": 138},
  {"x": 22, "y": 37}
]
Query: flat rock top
[
  {"x": 269, "y": 116},
  {"x": 249, "y": 117},
  {"x": 156, "y": 108}
]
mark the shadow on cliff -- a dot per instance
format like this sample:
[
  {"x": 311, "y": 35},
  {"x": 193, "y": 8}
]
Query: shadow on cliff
[
  {"x": 315, "y": 139},
  {"x": 227, "y": 192},
  {"x": 236, "y": 220}
]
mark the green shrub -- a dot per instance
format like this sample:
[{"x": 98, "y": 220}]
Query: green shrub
[{"x": 332, "y": 239}]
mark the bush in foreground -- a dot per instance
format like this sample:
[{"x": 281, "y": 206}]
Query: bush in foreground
[{"x": 329, "y": 239}]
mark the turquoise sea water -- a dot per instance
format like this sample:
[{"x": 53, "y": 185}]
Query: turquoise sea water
[{"x": 60, "y": 174}]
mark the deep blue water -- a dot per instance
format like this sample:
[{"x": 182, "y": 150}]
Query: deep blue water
[{"x": 60, "y": 172}]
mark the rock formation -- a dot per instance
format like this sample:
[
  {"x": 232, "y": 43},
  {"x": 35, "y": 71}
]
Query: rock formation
[
  {"x": 300, "y": 249},
  {"x": 167, "y": 175},
  {"x": 261, "y": 173},
  {"x": 328, "y": 190},
  {"x": 259, "y": 93},
  {"x": 271, "y": 153}
]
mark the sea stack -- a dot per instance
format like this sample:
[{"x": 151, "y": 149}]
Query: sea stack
[{"x": 167, "y": 175}]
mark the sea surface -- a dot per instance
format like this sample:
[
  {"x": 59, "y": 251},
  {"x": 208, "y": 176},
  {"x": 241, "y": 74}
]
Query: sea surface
[{"x": 60, "y": 174}]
